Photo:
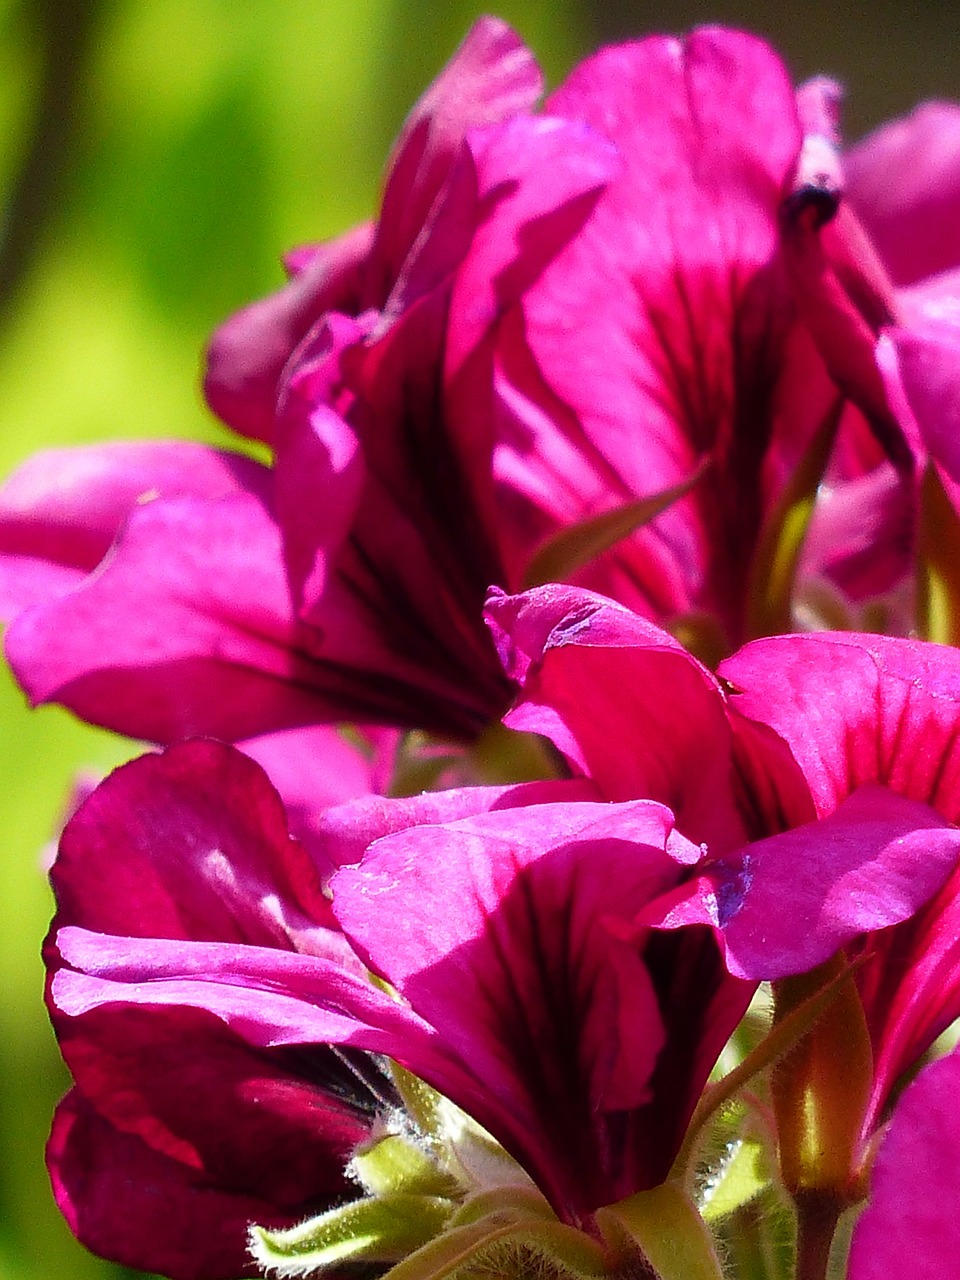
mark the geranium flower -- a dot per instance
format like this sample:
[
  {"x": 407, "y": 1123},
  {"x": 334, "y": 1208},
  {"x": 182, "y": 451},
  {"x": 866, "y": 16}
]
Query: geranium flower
[
  {"x": 840, "y": 729},
  {"x": 181, "y": 1129},
  {"x": 202, "y": 618},
  {"x": 559, "y": 324},
  {"x": 213, "y": 946},
  {"x": 555, "y": 951}
]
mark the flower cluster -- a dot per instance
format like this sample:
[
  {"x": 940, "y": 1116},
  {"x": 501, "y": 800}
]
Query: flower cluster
[{"x": 613, "y": 473}]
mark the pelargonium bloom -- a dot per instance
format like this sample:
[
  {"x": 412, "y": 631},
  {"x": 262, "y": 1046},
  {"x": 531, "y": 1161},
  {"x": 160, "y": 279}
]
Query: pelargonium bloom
[
  {"x": 180, "y": 1130},
  {"x": 555, "y": 315},
  {"x": 829, "y": 729},
  {"x": 195, "y": 995},
  {"x": 567, "y": 964},
  {"x": 190, "y": 1117},
  {"x": 201, "y": 618}
]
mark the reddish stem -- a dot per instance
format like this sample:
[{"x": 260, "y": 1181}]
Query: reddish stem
[{"x": 818, "y": 1213}]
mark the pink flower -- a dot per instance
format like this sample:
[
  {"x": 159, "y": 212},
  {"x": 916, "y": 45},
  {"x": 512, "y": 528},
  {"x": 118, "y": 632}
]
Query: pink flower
[
  {"x": 821, "y": 774},
  {"x": 180, "y": 1130},
  {"x": 558, "y": 949},
  {"x": 198, "y": 1031},
  {"x": 348, "y": 582},
  {"x": 554, "y": 317}
]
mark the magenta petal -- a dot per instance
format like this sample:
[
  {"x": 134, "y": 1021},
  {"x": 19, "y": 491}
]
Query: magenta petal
[
  {"x": 928, "y": 362},
  {"x": 248, "y": 352},
  {"x": 61, "y": 510},
  {"x": 789, "y": 903},
  {"x": 206, "y": 855},
  {"x": 856, "y": 709},
  {"x": 910, "y": 1226},
  {"x": 538, "y": 179},
  {"x": 317, "y": 452},
  {"x": 490, "y": 78},
  {"x": 655, "y": 283},
  {"x": 267, "y": 997},
  {"x": 493, "y": 929},
  {"x": 188, "y": 628},
  {"x": 137, "y": 1207},
  {"x": 312, "y": 769},
  {"x": 675, "y": 297},
  {"x": 593, "y": 676},
  {"x": 345, "y": 831},
  {"x": 904, "y": 182},
  {"x": 861, "y": 534}
]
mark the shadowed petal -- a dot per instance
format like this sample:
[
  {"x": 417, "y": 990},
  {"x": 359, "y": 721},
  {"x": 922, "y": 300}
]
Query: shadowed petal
[
  {"x": 281, "y": 1125},
  {"x": 133, "y": 1205}
]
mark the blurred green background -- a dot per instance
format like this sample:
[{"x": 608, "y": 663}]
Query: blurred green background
[{"x": 155, "y": 158}]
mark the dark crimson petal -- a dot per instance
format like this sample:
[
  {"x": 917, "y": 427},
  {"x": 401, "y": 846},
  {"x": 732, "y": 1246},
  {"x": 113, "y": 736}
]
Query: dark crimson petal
[
  {"x": 910, "y": 1226},
  {"x": 856, "y": 709},
  {"x": 277, "y": 1124},
  {"x": 190, "y": 844},
  {"x": 134, "y": 1206},
  {"x": 493, "y": 928},
  {"x": 406, "y": 592}
]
